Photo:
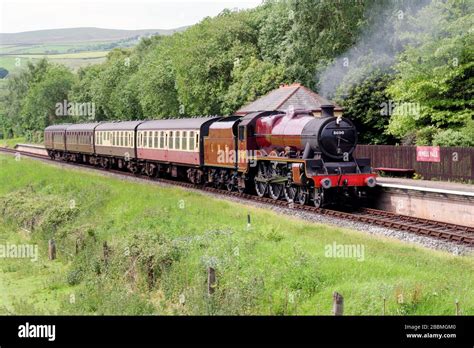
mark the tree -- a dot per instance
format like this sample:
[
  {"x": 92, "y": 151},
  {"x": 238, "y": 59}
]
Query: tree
[
  {"x": 155, "y": 82},
  {"x": 436, "y": 72},
  {"x": 251, "y": 79},
  {"x": 40, "y": 102},
  {"x": 204, "y": 57},
  {"x": 366, "y": 104}
]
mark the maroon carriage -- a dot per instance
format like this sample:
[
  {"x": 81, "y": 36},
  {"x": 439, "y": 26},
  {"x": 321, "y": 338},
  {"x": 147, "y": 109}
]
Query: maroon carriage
[
  {"x": 55, "y": 140},
  {"x": 115, "y": 144},
  {"x": 175, "y": 141},
  {"x": 80, "y": 141}
]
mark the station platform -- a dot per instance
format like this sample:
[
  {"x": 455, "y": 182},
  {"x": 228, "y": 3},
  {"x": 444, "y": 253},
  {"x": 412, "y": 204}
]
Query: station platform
[{"x": 435, "y": 200}]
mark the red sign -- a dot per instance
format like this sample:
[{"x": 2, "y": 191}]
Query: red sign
[{"x": 428, "y": 154}]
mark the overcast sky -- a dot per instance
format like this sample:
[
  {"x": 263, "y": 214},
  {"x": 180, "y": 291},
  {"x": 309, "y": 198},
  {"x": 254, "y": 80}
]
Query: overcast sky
[{"x": 25, "y": 15}]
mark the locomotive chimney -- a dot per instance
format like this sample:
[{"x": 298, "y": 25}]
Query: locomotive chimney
[{"x": 327, "y": 110}]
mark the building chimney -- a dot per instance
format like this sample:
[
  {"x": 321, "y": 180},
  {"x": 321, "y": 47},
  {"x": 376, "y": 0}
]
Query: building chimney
[{"x": 327, "y": 110}]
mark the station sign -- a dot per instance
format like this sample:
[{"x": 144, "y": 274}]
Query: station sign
[{"x": 428, "y": 154}]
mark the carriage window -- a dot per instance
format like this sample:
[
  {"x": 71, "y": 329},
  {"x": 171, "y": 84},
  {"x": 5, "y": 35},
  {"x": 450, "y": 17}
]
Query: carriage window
[
  {"x": 150, "y": 139},
  {"x": 155, "y": 142},
  {"x": 184, "y": 141},
  {"x": 171, "y": 141},
  {"x": 191, "y": 141},
  {"x": 162, "y": 140},
  {"x": 176, "y": 140},
  {"x": 196, "y": 144}
]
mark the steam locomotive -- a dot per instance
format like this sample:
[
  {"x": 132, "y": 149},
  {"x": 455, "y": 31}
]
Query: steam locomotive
[{"x": 296, "y": 155}]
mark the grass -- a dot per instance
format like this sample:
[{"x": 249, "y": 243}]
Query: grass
[
  {"x": 12, "y": 142},
  {"x": 160, "y": 242}
]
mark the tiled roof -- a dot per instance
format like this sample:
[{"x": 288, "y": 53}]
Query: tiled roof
[{"x": 282, "y": 98}]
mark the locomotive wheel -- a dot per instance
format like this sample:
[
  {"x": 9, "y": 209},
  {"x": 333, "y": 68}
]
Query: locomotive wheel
[
  {"x": 275, "y": 190},
  {"x": 302, "y": 195},
  {"x": 318, "y": 197},
  {"x": 261, "y": 187},
  {"x": 230, "y": 185},
  {"x": 290, "y": 193}
]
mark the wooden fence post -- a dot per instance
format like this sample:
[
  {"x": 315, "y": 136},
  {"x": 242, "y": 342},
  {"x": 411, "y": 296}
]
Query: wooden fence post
[
  {"x": 105, "y": 249},
  {"x": 384, "y": 304},
  {"x": 248, "y": 221},
  {"x": 211, "y": 280},
  {"x": 337, "y": 303},
  {"x": 51, "y": 249},
  {"x": 457, "y": 307}
]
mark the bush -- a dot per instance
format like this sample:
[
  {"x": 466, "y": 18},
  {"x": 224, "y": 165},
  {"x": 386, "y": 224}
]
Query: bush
[{"x": 451, "y": 137}]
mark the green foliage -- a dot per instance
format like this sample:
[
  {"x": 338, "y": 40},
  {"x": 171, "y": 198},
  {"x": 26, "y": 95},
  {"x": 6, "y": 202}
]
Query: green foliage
[
  {"x": 155, "y": 82},
  {"x": 451, "y": 137},
  {"x": 320, "y": 31},
  {"x": 366, "y": 104},
  {"x": 251, "y": 79},
  {"x": 224, "y": 62},
  {"x": 205, "y": 56},
  {"x": 436, "y": 70},
  {"x": 33, "y": 94}
]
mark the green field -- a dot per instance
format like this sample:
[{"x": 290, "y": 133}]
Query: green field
[
  {"x": 71, "y": 60},
  {"x": 160, "y": 242},
  {"x": 46, "y": 48}
]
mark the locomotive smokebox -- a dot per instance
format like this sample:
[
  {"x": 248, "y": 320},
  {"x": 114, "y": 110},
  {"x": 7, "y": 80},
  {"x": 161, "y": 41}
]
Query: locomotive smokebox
[{"x": 327, "y": 110}]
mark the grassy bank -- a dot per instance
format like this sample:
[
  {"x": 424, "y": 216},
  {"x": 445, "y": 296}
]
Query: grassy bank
[
  {"x": 160, "y": 242},
  {"x": 12, "y": 142}
]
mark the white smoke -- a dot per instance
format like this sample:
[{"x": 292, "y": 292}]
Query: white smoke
[{"x": 392, "y": 28}]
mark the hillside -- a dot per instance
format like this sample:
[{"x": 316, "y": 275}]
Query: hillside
[
  {"x": 161, "y": 240},
  {"x": 71, "y": 35}
]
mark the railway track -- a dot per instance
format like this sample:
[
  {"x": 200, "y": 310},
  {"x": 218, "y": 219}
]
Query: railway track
[{"x": 440, "y": 230}]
